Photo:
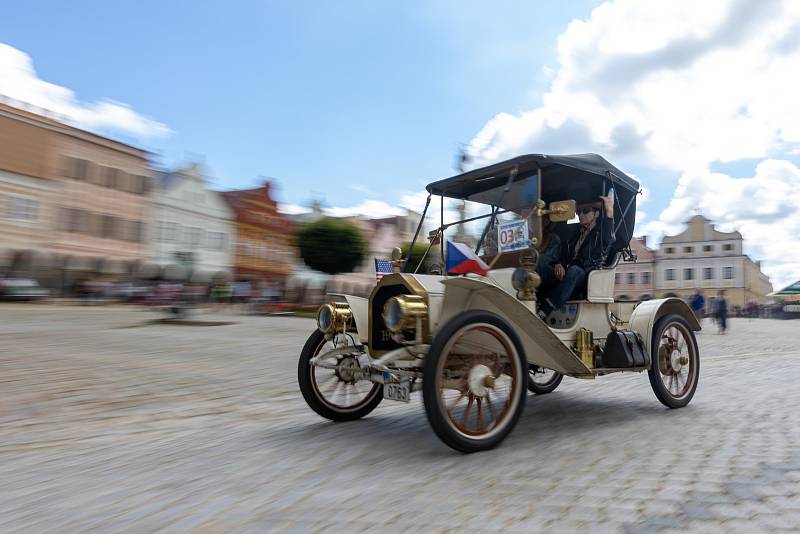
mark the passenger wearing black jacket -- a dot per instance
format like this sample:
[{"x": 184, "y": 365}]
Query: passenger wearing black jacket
[{"x": 584, "y": 252}]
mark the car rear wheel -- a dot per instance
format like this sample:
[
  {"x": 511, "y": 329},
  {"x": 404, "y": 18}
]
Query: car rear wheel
[
  {"x": 542, "y": 381},
  {"x": 474, "y": 381},
  {"x": 675, "y": 366},
  {"x": 335, "y": 389}
]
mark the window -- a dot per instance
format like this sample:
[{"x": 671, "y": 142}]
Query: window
[
  {"x": 77, "y": 169},
  {"x": 708, "y": 248},
  {"x": 708, "y": 273},
  {"x": 669, "y": 274},
  {"x": 138, "y": 184},
  {"x": 727, "y": 273},
  {"x": 122, "y": 181},
  {"x": 136, "y": 231},
  {"x": 646, "y": 277},
  {"x": 688, "y": 274},
  {"x": 110, "y": 177},
  {"x": 22, "y": 209},
  {"x": 617, "y": 278},
  {"x": 688, "y": 250},
  {"x": 669, "y": 250},
  {"x": 172, "y": 232},
  {"x": 108, "y": 225},
  {"x": 727, "y": 247},
  {"x": 631, "y": 278},
  {"x": 76, "y": 220},
  {"x": 216, "y": 240},
  {"x": 194, "y": 236}
]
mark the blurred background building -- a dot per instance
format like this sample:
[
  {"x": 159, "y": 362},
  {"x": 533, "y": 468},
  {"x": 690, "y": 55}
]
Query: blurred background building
[
  {"x": 76, "y": 204},
  {"x": 703, "y": 257},
  {"x": 634, "y": 280},
  {"x": 263, "y": 249},
  {"x": 194, "y": 227}
]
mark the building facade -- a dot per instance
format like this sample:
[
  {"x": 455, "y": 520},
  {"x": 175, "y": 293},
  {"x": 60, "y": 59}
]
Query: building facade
[
  {"x": 79, "y": 200},
  {"x": 702, "y": 257},
  {"x": 634, "y": 280},
  {"x": 264, "y": 242},
  {"x": 193, "y": 226}
]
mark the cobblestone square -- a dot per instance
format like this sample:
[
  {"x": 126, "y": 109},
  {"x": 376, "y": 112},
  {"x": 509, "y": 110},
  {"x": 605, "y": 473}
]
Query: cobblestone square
[{"x": 110, "y": 422}]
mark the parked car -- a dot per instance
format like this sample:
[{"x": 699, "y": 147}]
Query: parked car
[
  {"x": 475, "y": 344},
  {"x": 21, "y": 289}
]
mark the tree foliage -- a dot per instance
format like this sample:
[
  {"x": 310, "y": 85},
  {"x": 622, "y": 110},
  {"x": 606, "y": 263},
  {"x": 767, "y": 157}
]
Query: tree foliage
[
  {"x": 416, "y": 256},
  {"x": 331, "y": 246}
]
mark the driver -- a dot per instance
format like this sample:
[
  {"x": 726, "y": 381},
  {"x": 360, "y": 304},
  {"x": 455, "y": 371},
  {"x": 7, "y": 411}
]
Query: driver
[{"x": 582, "y": 253}]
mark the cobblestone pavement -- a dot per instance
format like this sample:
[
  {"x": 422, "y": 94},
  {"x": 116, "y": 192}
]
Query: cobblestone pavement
[{"x": 110, "y": 423}]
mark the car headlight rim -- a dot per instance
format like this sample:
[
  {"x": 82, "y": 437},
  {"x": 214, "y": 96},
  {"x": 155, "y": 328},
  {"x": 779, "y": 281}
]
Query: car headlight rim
[
  {"x": 401, "y": 312},
  {"x": 334, "y": 317},
  {"x": 325, "y": 316}
]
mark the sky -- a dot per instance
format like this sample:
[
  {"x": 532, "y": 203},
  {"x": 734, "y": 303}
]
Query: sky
[{"x": 360, "y": 104}]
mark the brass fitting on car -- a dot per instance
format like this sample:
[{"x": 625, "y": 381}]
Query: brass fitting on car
[
  {"x": 397, "y": 259},
  {"x": 584, "y": 346},
  {"x": 404, "y": 312},
  {"x": 525, "y": 279},
  {"x": 334, "y": 317}
]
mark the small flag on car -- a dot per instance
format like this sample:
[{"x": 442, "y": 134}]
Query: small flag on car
[
  {"x": 382, "y": 267},
  {"x": 461, "y": 259}
]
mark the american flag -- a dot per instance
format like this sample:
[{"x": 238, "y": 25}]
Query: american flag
[{"x": 382, "y": 267}]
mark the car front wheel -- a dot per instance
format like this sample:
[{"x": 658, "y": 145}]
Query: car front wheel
[
  {"x": 336, "y": 388},
  {"x": 474, "y": 381}
]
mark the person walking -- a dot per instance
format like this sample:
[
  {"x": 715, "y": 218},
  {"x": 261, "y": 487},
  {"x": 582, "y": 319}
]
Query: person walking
[
  {"x": 722, "y": 312},
  {"x": 698, "y": 304}
]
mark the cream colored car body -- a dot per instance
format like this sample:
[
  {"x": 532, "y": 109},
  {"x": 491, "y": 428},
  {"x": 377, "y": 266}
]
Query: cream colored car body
[{"x": 544, "y": 346}]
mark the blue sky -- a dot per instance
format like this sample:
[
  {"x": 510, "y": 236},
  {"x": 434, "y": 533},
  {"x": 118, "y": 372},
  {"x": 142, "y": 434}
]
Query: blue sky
[
  {"x": 318, "y": 95},
  {"x": 359, "y": 104}
]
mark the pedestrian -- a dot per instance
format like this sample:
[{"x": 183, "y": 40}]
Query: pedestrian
[
  {"x": 698, "y": 304},
  {"x": 722, "y": 312}
]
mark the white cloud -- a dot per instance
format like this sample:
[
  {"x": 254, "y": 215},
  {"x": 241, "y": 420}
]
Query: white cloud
[
  {"x": 677, "y": 83},
  {"x": 372, "y": 209},
  {"x": 19, "y": 81},
  {"x": 765, "y": 208}
]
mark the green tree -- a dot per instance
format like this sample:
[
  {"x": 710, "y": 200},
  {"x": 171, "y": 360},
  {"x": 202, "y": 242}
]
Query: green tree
[
  {"x": 416, "y": 256},
  {"x": 331, "y": 245}
]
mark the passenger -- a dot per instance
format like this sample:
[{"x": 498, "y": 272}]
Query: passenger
[
  {"x": 583, "y": 253},
  {"x": 549, "y": 256}
]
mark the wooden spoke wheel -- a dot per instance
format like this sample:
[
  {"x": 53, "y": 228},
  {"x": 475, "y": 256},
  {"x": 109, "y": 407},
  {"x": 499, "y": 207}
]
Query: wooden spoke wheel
[
  {"x": 542, "y": 381},
  {"x": 675, "y": 366},
  {"x": 474, "y": 381},
  {"x": 336, "y": 388}
]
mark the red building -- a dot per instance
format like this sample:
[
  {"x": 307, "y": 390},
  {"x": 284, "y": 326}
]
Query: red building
[{"x": 264, "y": 249}]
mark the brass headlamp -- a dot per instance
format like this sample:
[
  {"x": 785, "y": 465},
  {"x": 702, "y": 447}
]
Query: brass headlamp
[
  {"x": 402, "y": 312},
  {"x": 334, "y": 317}
]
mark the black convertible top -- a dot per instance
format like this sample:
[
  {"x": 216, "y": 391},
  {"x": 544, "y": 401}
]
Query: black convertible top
[
  {"x": 559, "y": 168},
  {"x": 582, "y": 177}
]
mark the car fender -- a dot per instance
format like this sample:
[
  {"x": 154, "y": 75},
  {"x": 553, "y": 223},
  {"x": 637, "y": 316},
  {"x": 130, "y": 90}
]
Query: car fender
[
  {"x": 542, "y": 347},
  {"x": 646, "y": 315}
]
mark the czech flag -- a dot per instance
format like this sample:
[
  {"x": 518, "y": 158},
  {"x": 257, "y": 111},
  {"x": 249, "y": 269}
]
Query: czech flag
[{"x": 461, "y": 259}]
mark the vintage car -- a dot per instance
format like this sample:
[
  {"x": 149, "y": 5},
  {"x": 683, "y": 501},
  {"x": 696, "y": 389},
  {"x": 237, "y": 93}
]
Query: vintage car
[{"x": 475, "y": 344}]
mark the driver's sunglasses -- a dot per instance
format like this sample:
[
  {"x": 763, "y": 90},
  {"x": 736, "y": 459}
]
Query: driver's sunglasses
[{"x": 584, "y": 211}]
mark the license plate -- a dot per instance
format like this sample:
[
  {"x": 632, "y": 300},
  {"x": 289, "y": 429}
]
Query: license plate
[{"x": 397, "y": 392}]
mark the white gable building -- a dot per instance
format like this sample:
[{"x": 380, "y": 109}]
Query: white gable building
[{"x": 192, "y": 224}]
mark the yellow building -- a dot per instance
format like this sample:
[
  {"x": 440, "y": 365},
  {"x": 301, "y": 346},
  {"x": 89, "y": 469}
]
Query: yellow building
[{"x": 702, "y": 257}]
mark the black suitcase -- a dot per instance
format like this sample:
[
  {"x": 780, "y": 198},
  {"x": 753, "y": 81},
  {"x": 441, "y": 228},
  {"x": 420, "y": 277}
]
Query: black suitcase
[{"x": 624, "y": 349}]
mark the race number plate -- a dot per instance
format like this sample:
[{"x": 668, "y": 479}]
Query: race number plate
[
  {"x": 397, "y": 392},
  {"x": 512, "y": 236}
]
